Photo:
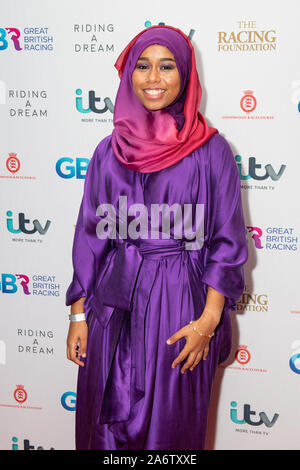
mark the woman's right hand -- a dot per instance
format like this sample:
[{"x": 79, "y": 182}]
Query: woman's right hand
[{"x": 77, "y": 342}]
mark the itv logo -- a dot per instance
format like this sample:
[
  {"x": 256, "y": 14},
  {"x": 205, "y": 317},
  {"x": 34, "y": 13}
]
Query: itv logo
[
  {"x": 269, "y": 171},
  {"x": 26, "y": 445},
  {"x": 248, "y": 414},
  {"x": 92, "y": 100},
  {"x": 25, "y": 225}
]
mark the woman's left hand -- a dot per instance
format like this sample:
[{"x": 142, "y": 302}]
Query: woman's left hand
[{"x": 196, "y": 347}]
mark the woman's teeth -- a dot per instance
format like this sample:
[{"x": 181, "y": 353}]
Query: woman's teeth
[{"x": 154, "y": 92}]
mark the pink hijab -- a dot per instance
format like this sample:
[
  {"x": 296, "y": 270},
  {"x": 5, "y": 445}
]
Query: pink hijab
[{"x": 147, "y": 141}]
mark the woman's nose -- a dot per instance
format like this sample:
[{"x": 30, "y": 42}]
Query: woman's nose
[{"x": 153, "y": 75}]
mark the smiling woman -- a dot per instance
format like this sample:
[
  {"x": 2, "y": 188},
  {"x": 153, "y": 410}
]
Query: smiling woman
[
  {"x": 156, "y": 79},
  {"x": 149, "y": 316}
]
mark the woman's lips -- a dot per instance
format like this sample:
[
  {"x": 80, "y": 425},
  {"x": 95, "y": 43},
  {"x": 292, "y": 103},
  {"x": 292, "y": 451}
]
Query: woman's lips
[{"x": 154, "y": 93}]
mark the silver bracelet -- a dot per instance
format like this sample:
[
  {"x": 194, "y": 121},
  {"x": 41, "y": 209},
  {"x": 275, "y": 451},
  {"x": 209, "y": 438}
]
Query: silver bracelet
[{"x": 77, "y": 317}]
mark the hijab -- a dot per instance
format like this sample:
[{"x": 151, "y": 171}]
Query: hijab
[{"x": 148, "y": 141}]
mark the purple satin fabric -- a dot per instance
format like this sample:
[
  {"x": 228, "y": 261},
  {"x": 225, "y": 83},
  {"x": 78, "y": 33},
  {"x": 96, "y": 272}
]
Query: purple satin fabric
[{"x": 140, "y": 292}]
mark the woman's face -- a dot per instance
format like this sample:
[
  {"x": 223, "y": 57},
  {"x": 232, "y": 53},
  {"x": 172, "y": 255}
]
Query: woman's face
[{"x": 156, "y": 79}]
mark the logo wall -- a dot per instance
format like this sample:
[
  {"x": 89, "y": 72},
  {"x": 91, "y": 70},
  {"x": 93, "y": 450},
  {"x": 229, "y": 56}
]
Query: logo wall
[{"x": 97, "y": 38}]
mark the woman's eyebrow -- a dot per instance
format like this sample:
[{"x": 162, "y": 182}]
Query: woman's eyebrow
[{"x": 165, "y": 58}]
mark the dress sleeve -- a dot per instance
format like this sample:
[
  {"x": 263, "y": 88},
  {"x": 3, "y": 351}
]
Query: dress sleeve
[
  {"x": 88, "y": 250},
  {"x": 227, "y": 244}
]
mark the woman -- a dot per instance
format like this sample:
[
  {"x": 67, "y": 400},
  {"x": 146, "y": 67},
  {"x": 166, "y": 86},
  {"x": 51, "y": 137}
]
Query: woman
[{"x": 146, "y": 371}]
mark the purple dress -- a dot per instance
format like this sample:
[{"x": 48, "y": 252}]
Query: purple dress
[{"x": 139, "y": 292}]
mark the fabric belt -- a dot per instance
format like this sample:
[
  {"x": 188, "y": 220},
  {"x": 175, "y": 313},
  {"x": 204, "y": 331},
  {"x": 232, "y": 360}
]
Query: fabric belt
[{"x": 118, "y": 293}]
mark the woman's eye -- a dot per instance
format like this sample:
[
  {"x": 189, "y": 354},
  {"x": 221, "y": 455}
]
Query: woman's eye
[
  {"x": 142, "y": 66},
  {"x": 162, "y": 67},
  {"x": 167, "y": 67}
]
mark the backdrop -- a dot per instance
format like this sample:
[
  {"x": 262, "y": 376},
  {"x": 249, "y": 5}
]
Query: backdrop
[{"x": 57, "y": 92}]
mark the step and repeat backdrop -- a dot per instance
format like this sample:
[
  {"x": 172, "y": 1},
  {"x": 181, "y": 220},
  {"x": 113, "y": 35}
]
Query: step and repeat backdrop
[{"x": 57, "y": 91}]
